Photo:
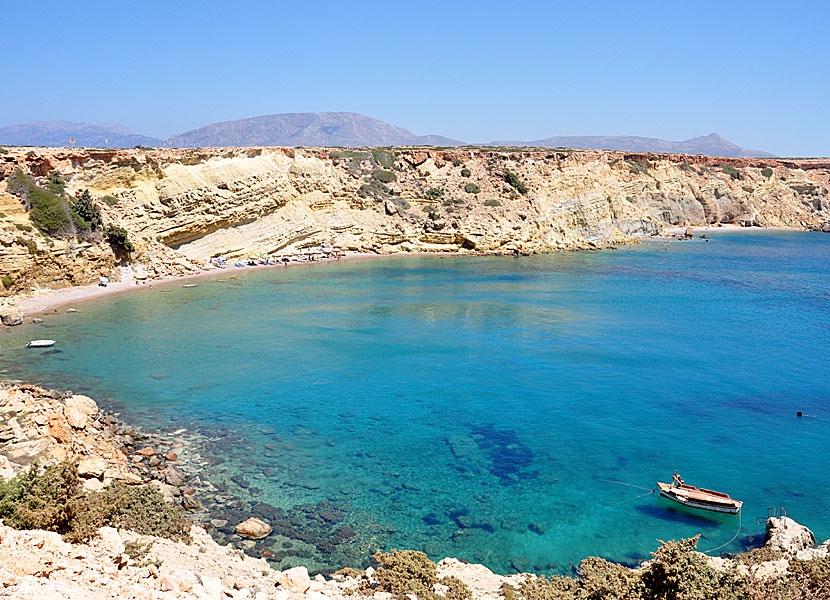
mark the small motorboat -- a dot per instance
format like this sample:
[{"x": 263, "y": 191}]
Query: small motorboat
[
  {"x": 693, "y": 497},
  {"x": 40, "y": 343}
]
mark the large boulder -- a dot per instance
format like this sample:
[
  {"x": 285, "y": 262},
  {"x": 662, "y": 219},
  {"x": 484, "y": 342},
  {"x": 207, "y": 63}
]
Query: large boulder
[
  {"x": 78, "y": 409},
  {"x": 11, "y": 316},
  {"x": 254, "y": 528},
  {"x": 295, "y": 580},
  {"x": 787, "y": 535},
  {"x": 93, "y": 466}
]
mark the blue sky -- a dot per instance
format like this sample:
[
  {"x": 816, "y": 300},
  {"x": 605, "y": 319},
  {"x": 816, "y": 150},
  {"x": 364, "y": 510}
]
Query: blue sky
[{"x": 755, "y": 72}]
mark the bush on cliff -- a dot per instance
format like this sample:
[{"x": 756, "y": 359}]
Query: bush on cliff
[
  {"x": 87, "y": 211},
  {"x": 118, "y": 237},
  {"x": 402, "y": 572},
  {"x": 51, "y": 498},
  {"x": 513, "y": 180},
  {"x": 472, "y": 188},
  {"x": 766, "y": 172},
  {"x": 40, "y": 498},
  {"x": 384, "y": 176}
]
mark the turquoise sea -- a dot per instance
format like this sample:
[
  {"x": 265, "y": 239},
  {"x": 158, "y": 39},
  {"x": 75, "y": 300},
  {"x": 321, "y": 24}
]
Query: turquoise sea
[{"x": 473, "y": 406}]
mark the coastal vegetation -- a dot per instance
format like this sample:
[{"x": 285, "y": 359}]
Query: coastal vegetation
[
  {"x": 766, "y": 172},
  {"x": 472, "y": 188},
  {"x": 731, "y": 171},
  {"x": 513, "y": 180},
  {"x": 51, "y": 498}
]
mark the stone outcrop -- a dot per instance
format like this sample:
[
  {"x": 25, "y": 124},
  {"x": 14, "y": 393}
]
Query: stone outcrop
[
  {"x": 182, "y": 207},
  {"x": 787, "y": 535}
]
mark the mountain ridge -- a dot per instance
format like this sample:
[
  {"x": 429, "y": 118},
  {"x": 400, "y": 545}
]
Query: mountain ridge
[
  {"x": 710, "y": 145},
  {"x": 332, "y": 129},
  {"x": 60, "y": 133}
]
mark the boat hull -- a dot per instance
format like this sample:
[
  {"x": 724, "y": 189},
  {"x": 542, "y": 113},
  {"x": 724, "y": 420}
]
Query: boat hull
[
  {"x": 669, "y": 492},
  {"x": 40, "y": 344}
]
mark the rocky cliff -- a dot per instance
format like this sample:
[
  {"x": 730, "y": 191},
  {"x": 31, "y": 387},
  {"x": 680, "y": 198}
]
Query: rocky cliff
[{"x": 183, "y": 206}]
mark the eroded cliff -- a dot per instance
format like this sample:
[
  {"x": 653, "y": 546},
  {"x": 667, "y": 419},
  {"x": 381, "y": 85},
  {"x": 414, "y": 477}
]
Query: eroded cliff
[{"x": 183, "y": 206}]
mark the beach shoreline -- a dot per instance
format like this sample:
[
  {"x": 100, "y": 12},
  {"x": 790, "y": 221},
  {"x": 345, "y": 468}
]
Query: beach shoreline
[
  {"x": 725, "y": 228},
  {"x": 51, "y": 300}
]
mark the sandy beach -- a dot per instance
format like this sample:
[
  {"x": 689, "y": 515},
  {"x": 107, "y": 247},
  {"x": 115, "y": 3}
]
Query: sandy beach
[
  {"x": 730, "y": 228},
  {"x": 45, "y": 300}
]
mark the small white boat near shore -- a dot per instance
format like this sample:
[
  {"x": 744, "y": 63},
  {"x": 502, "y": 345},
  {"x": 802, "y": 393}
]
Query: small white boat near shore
[{"x": 40, "y": 343}]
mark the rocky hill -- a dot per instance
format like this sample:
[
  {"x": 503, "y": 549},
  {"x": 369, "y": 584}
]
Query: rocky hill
[
  {"x": 86, "y": 135},
  {"x": 305, "y": 129},
  {"x": 710, "y": 145},
  {"x": 182, "y": 207}
]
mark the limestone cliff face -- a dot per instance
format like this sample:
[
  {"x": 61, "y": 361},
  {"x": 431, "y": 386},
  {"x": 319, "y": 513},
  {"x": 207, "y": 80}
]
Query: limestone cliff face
[{"x": 198, "y": 203}]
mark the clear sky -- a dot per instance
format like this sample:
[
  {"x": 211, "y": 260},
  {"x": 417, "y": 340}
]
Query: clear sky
[{"x": 757, "y": 72}]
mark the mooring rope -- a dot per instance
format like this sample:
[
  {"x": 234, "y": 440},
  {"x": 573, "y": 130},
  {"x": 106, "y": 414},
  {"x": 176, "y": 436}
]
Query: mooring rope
[
  {"x": 634, "y": 498},
  {"x": 623, "y": 483},
  {"x": 737, "y": 533}
]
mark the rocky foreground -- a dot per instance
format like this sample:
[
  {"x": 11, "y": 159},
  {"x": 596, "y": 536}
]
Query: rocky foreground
[
  {"x": 47, "y": 427},
  {"x": 182, "y": 207}
]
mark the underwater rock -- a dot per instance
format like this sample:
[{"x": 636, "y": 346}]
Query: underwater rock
[{"x": 254, "y": 528}]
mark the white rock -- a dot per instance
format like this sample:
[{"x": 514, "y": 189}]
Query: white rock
[
  {"x": 92, "y": 485},
  {"x": 110, "y": 540},
  {"x": 787, "y": 535},
  {"x": 295, "y": 580},
  {"x": 212, "y": 586},
  {"x": 93, "y": 466},
  {"x": 6, "y": 469},
  {"x": 78, "y": 409}
]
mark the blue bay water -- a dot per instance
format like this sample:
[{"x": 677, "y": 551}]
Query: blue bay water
[{"x": 473, "y": 406}]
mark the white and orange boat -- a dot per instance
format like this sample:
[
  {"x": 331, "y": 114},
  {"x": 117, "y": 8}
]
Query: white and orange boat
[{"x": 693, "y": 497}]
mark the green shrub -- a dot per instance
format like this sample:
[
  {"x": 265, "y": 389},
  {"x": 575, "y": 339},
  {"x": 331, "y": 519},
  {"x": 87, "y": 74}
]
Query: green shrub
[
  {"x": 88, "y": 213},
  {"x": 687, "y": 167},
  {"x": 513, "y": 180},
  {"x": 458, "y": 590},
  {"x": 118, "y": 237},
  {"x": 406, "y": 572},
  {"x": 384, "y": 176},
  {"x": 384, "y": 158},
  {"x": 731, "y": 171},
  {"x": 492, "y": 202},
  {"x": 51, "y": 498},
  {"x": 22, "y": 227},
  {"x": 435, "y": 193},
  {"x": 766, "y": 172},
  {"x": 465, "y": 172},
  {"x": 3, "y": 150},
  {"x": 49, "y": 212},
  {"x": 110, "y": 200},
  {"x": 637, "y": 166},
  {"x": 7, "y": 280},
  {"x": 31, "y": 246},
  {"x": 609, "y": 581},
  {"x": 40, "y": 498},
  {"x": 457, "y": 162},
  {"x": 55, "y": 183},
  {"x": 19, "y": 184},
  {"x": 472, "y": 188}
]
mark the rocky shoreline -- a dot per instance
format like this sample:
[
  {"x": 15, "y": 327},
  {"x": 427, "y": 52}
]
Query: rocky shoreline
[{"x": 46, "y": 426}]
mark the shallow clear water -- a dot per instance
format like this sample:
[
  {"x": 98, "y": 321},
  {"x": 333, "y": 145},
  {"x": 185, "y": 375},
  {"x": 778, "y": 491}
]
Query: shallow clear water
[{"x": 471, "y": 407}]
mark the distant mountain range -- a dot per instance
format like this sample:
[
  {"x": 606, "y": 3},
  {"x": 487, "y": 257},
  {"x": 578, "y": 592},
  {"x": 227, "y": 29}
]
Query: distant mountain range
[
  {"x": 88, "y": 135},
  {"x": 306, "y": 129},
  {"x": 331, "y": 129},
  {"x": 712, "y": 145}
]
